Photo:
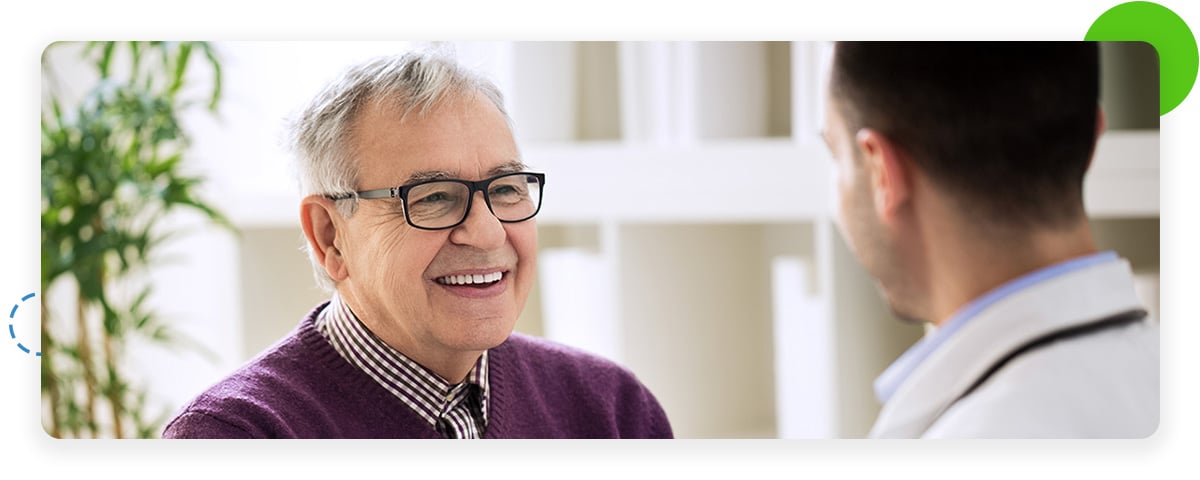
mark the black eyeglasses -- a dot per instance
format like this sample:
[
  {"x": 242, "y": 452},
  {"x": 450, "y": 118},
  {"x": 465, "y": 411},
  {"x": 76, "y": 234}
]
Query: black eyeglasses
[{"x": 441, "y": 204}]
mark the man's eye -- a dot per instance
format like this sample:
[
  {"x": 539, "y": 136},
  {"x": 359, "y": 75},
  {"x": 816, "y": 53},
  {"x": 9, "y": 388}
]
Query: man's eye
[
  {"x": 504, "y": 190},
  {"x": 435, "y": 198}
]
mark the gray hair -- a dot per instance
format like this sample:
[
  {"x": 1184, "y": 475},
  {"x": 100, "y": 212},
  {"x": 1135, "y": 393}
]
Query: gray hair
[{"x": 319, "y": 134}]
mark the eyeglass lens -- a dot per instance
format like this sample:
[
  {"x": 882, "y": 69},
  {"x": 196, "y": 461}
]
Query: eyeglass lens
[{"x": 441, "y": 204}]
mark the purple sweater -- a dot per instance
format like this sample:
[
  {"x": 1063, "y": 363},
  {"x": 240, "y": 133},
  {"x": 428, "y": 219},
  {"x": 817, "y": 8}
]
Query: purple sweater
[{"x": 302, "y": 388}]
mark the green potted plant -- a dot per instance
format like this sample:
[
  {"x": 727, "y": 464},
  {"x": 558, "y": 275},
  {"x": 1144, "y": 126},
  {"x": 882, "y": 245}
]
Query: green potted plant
[{"x": 111, "y": 171}]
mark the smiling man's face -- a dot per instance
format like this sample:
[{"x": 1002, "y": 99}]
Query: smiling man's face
[{"x": 406, "y": 284}]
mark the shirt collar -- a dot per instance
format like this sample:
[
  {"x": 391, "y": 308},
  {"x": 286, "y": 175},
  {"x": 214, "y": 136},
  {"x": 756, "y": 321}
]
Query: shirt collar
[
  {"x": 891, "y": 379},
  {"x": 425, "y": 392}
]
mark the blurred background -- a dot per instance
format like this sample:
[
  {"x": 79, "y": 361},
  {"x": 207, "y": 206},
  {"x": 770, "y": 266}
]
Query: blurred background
[{"x": 712, "y": 268}]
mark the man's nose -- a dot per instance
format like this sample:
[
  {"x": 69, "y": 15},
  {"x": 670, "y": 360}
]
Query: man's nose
[{"x": 481, "y": 228}]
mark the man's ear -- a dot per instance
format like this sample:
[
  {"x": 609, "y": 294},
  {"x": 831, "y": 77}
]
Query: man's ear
[
  {"x": 888, "y": 171},
  {"x": 322, "y": 223}
]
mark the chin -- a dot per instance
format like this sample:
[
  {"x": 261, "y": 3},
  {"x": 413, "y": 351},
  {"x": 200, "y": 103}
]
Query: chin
[
  {"x": 908, "y": 318},
  {"x": 898, "y": 309},
  {"x": 904, "y": 313},
  {"x": 483, "y": 334}
]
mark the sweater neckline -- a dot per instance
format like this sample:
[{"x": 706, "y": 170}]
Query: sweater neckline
[
  {"x": 355, "y": 381},
  {"x": 351, "y": 380}
]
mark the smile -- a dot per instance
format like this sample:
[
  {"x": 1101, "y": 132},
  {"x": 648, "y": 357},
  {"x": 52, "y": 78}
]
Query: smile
[{"x": 476, "y": 279}]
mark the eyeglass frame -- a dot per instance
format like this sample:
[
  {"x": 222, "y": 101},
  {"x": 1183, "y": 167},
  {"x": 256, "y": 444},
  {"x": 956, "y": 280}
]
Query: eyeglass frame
[{"x": 401, "y": 192}]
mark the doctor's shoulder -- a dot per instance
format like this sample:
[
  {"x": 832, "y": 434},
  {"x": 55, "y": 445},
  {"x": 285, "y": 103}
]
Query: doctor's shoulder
[{"x": 1098, "y": 386}]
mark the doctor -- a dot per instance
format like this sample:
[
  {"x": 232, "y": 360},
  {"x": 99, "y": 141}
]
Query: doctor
[{"x": 960, "y": 174}]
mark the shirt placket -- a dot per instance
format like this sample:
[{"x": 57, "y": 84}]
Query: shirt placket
[{"x": 455, "y": 416}]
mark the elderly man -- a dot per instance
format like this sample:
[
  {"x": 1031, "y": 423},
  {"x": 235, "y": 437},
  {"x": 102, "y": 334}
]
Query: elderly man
[
  {"x": 960, "y": 178},
  {"x": 419, "y": 217}
]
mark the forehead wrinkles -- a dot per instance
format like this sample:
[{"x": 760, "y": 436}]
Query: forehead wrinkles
[
  {"x": 398, "y": 111},
  {"x": 507, "y": 167}
]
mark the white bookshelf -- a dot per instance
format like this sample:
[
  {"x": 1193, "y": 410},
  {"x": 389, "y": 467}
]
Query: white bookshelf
[{"x": 739, "y": 306}]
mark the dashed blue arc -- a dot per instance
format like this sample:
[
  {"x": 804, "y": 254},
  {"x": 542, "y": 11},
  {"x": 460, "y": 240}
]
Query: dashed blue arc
[{"x": 12, "y": 333}]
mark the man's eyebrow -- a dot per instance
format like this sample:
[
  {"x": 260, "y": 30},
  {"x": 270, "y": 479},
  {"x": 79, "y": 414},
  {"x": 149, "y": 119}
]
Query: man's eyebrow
[
  {"x": 428, "y": 175},
  {"x": 510, "y": 167}
]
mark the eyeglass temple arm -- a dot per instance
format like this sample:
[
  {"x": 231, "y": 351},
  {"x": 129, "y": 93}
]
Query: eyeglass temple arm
[{"x": 393, "y": 192}]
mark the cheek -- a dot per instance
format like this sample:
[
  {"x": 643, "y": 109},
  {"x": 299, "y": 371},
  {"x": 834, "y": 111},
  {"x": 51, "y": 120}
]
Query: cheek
[
  {"x": 401, "y": 256},
  {"x": 523, "y": 238},
  {"x": 855, "y": 214},
  {"x": 844, "y": 175},
  {"x": 842, "y": 189}
]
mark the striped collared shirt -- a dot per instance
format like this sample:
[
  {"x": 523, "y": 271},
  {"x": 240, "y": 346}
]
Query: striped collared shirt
[{"x": 456, "y": 411}]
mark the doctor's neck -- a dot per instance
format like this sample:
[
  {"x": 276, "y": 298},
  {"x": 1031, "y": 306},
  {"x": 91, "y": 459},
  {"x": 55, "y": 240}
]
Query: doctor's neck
[{"x": 965, "y": 259}]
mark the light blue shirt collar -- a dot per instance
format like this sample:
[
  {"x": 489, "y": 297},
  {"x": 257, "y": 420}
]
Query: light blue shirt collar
[{"x": 894, "y": 376}]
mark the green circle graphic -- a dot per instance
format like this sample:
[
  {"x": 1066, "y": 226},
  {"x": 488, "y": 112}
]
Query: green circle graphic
[{"x": 1167, "y": 33}]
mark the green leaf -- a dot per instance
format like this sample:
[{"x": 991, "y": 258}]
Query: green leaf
[
  {"x": 136, "y": 61},
  {"x": 181, "y": 62},
  {"x": 216, "y": 66},
  {"x": 106, "y": 58}
]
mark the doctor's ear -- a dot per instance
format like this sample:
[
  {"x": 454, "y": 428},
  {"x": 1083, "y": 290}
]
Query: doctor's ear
[
  {"x": 322, "y": 225},
  {"x": 888, "y": 171}
]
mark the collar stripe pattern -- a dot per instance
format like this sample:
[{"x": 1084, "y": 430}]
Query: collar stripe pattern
[{"x": 456, "y": 411}]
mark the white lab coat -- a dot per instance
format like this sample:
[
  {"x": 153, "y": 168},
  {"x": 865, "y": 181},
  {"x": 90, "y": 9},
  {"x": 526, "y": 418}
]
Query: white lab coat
[{"x": 1103, "y": 384}]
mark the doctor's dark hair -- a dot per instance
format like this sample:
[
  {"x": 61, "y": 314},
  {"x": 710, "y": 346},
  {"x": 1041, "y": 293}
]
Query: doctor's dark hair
[{"x": 1007, "y": 127}]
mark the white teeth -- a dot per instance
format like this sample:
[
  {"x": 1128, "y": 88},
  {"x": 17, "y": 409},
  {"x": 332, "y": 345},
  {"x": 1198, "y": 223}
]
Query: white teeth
[{"x": 474, "y": 279}]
